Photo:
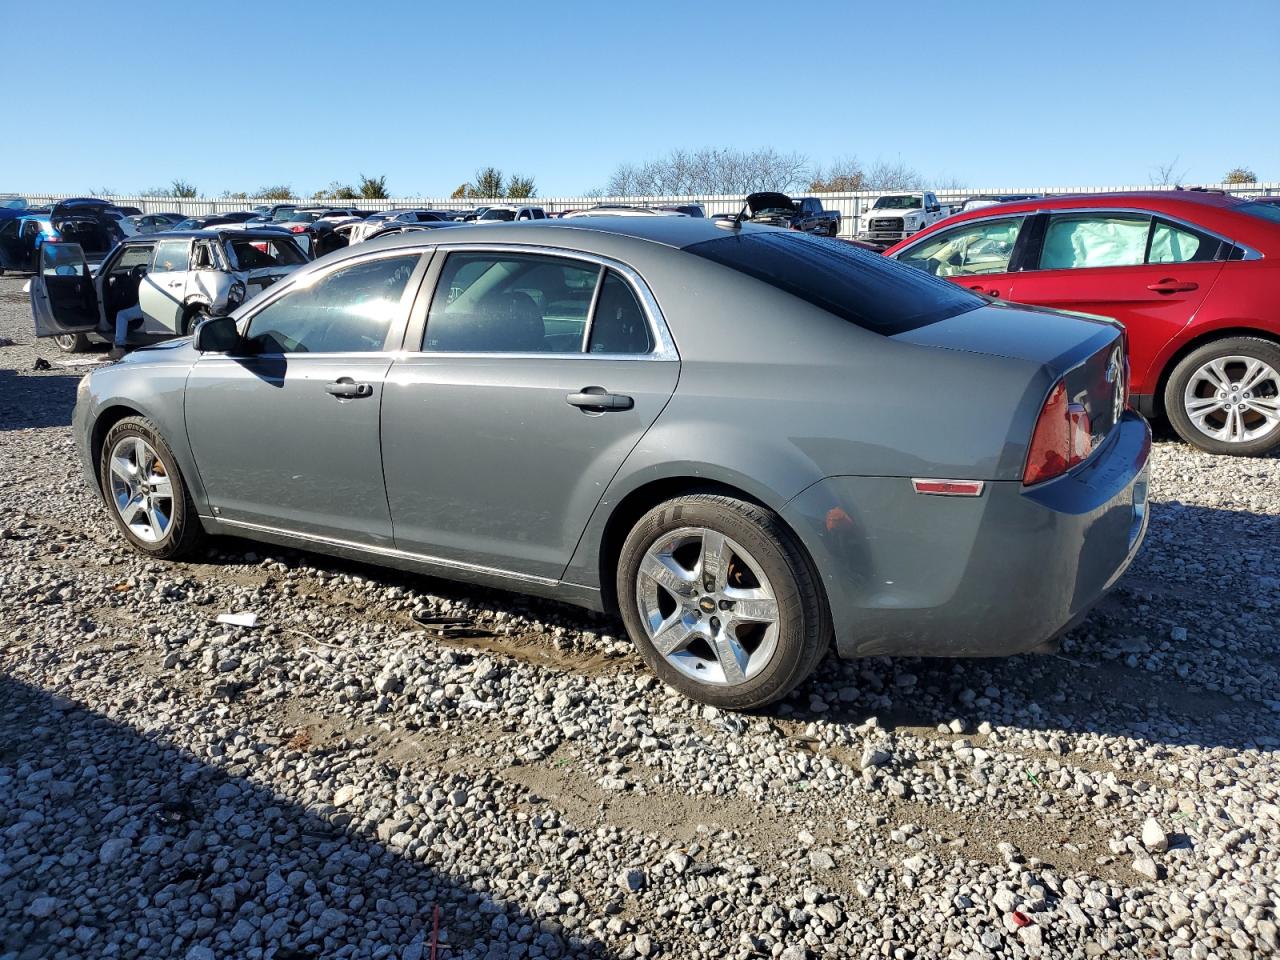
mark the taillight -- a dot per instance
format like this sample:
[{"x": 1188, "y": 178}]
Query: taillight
[
  {"x": 297, "y": 229},
  {"x": 1062, "y": 438}
]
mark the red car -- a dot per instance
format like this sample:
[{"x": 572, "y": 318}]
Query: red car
[{"x": 1193, "y": 276}]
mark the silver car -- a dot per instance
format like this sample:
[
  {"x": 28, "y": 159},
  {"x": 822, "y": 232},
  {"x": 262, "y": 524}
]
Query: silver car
[
  {"x": 746, "y": 441},
  {"x": 164, "y": 282}
]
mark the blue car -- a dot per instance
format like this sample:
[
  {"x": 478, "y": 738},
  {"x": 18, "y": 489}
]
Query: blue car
[{"x": 80, "y": 220}]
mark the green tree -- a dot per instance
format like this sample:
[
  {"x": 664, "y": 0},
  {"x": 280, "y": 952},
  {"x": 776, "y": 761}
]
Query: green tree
[
  {"x": 521, "y": 188},
  {"x": 373, "y": 188},
  {"x": 181, "y": 188},
  {"x": 1240, "y": 175},
  {"x": 278, "y": 192},
  {"x": 488, "y": 183},
  {"x": 336, "y": 191}
]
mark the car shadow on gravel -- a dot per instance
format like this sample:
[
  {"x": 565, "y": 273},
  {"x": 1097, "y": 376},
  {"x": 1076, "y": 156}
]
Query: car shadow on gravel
[
  {"x": 38, "y": 400},
  {"x": 116, "y": 842}
]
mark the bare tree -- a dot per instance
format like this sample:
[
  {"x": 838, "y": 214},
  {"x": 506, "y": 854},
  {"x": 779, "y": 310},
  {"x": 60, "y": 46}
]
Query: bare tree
[
  {"x": 710, "y": 170},
  {"x": 844, "y": 175},
  {"x": 1167, "y": 174},
  {"x": 892, "y": 175}
]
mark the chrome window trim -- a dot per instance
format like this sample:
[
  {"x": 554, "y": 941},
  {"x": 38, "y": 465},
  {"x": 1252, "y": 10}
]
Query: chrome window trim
[
  {"x": 664, "y": 346},
  {"x": 1249, "y": 252},
  {"x": 294, "y": 282},
  {"x": 386, "y": 551}
]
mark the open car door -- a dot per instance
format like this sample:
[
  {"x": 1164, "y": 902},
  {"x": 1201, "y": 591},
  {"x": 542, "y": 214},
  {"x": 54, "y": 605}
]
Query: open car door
[{"x": 63, "y": 298}]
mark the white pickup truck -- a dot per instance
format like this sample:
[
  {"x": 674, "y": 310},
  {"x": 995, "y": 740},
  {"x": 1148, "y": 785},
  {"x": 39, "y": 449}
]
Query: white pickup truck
[{"x": 896, "y": 216}]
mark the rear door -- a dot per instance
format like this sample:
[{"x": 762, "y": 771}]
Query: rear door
[
  {"x": 1149, "y": 273},
  {"x": 502, "y": 428},
  {"x": 978, "y": 254},
  {"x": 63, "y": 298},
  {"x": 162, "y": 292}
]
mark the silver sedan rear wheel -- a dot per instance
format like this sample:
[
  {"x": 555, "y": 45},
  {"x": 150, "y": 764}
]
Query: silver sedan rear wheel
[
  {"x": 1233, "y": 399},
  {"x": 141, "y": 490},
  {"x": 707, "y": 606}
]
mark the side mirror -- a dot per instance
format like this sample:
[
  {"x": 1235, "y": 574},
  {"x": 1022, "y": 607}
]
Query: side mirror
[{"x": 217, "y": 335}]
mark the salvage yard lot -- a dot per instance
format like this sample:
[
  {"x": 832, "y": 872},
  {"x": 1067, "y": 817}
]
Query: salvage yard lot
[{"x": 350, "y": 779}]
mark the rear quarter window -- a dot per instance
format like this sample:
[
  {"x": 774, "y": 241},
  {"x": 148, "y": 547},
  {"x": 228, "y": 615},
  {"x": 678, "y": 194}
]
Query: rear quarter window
[{"x": 864, "y": 288}]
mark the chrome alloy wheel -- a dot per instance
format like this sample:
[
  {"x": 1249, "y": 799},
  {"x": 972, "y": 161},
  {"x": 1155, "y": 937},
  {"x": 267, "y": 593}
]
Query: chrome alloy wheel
[
  {"x": 141, "y": 490},
  {"x": 1233, "y": 399},
  {"x": 707, "y": 607}
]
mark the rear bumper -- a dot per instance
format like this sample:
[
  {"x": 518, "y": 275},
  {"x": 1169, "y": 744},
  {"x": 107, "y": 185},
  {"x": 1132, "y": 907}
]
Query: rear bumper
[{"x": 994, "y": 575}]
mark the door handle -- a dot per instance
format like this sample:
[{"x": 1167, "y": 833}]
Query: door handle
[
  {"x": 598, "y": 399},
  {"x": 346, "y": 389},
  {"x": 176, "y": 283},
  {"x": 989, "y": 293},
  {"x": 1170, "y": 285}
]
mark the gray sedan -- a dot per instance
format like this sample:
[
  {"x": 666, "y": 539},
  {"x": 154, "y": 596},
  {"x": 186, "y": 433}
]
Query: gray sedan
[{"x": 746, "y": 441}]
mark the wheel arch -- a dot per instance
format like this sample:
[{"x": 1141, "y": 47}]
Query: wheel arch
[
  {"x": 107, "y": 418},
  {"x": 1195, "y": 343},
  {"x": 623, "y": 516}
]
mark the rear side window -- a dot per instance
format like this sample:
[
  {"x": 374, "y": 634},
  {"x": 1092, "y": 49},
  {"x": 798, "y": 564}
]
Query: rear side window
[
  {"x": 864, "y": 288},
  {"x": 1174, "y": 243},
  {"x": 619, "y": 325},
  {"x": 1088, "y": 240}
]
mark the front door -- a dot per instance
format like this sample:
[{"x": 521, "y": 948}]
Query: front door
[
  {"x": 11, "y": 252},
  {"x": 503, "y": 427},
  {"x": 1150, "y": 275},
  {"x": 285, "y": 432},
  {"x": 162, "y": 292},
  {"x": 976, "y": 255},
  {"x": 63, "y": 298}
]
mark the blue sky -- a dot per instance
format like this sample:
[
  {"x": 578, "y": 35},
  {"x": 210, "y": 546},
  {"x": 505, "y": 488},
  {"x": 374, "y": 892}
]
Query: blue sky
[{"x": 995, "y": 95}]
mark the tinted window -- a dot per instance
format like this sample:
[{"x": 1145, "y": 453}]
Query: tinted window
[
  {"x": 171, "y": 255},
  {"x": 1174, "y": 243},
  {"x": 965, "y": 250},
  {"x": 1078, "y": 241},
  {"x": 619, "y": 325},
  {"x": 510, "y": 303},
  {"x": 862, "y": 287},
  {"x": 350, "y": 310},
  {"x": 1267, "y": 211},
  {"x": 252, "y": 254}
]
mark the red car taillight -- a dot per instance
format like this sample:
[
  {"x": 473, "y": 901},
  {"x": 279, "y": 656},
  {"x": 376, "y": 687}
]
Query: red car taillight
[
  {"x": 297, "y": 229},
  {"x": 1062, "y": 438}
]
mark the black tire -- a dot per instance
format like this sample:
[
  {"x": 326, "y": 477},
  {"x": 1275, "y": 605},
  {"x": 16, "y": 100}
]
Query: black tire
[
  {"x": 184, "y": 534},
  {"x": 193, "y": 315},
  {"x": 804, "y": 621},
  {"x": 72, "y": 342},
  {"x": 1184, "y": 373}
]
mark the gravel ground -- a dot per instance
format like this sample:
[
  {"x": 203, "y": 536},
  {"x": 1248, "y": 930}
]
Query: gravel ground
[{"x": 341, "y": 782}]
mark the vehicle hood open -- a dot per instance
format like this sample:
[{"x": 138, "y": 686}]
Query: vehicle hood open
[{"x": 759, "y": 203}]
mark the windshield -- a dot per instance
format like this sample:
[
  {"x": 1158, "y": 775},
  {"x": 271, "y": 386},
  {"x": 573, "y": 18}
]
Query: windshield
[
  {"x": 1267, "y": 211},
  {"x": 254, "y": 254},
  {"x": 864, "y": 288},
  {"x": 495, "y": 214},
  {"x": 903, "y": 202}
]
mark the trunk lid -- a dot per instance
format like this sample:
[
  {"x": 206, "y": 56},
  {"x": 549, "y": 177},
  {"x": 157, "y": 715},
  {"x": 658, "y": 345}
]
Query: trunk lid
[{"x": 1089, "y": 354}]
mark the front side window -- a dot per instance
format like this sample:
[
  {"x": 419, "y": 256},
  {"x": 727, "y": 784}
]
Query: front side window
[
  {"x": 350, "y": 310},
  {"x": 134, "y": 255},
  {"x": 1077, "y": 241},
  {"x": 974, "y": 248},
  {"x": 867, "y": 289},
  {"x": 511, "y": 303},
  {"x": 171, "y": 256}
]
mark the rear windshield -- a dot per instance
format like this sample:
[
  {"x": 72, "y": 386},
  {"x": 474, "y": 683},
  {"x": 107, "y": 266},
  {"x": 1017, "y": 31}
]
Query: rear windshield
[
  {"x": 1267, "y": 211},
  {"x": 255, "y": 253},
  {"x": 865, "y": 288}
]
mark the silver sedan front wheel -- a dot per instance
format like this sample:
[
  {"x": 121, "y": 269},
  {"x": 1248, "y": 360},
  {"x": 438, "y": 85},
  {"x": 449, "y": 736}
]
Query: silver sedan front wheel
[
  {"x": 1233, "y": 399},
  {"x": 141, "y": 491},
  {"x": 707, "y": 607}
]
